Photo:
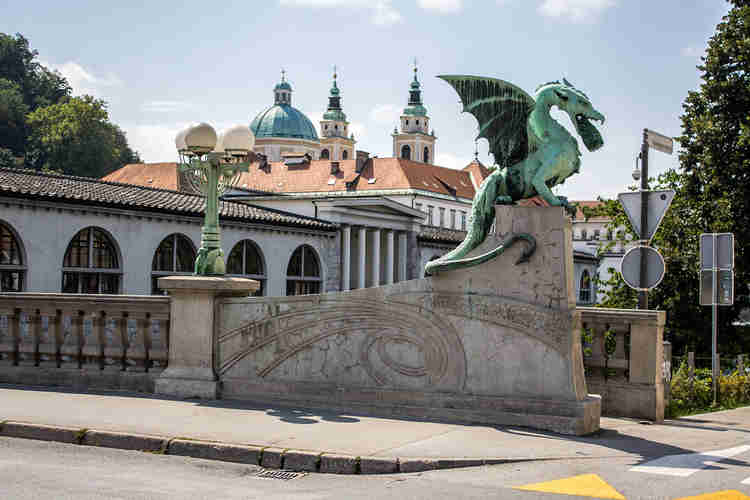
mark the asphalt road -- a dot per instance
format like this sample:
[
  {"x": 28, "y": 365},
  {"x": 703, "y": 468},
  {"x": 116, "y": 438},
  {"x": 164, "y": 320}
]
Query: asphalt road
[{"x": 36, "y": 469}]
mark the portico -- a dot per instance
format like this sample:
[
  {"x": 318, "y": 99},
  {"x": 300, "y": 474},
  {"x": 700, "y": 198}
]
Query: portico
[{"x": 374, "y": 239}]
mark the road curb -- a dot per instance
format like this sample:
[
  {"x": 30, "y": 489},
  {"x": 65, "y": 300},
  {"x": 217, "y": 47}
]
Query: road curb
[{"x": 268, "y": 457}]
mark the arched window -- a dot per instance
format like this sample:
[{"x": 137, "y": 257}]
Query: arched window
[
  {"x": 584, "y": 293},
  {"x": 426, "y": 157},
  {"x": 325, "y": 154},
  {"x": 175, "y": 256},
  {"x": 12, "y": 265},
  {"x": 91, "y": 263},
  {"x": 406, "y": 152},
  {"x": 584, "y": 234},
  {"x": 246, "y": 261},
  {"x": 345, "y": 155},
  {"x": 303, "y": 272}
]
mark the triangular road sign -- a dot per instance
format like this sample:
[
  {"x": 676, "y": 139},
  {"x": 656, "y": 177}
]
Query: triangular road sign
[{"x": 658, "y": 203}]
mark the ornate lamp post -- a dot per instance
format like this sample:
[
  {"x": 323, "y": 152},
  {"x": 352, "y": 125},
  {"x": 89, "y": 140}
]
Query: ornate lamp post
[{"x": 212, "y": 165}]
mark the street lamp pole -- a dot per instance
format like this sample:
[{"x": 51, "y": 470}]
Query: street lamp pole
[{"x": 212, "y": 165}]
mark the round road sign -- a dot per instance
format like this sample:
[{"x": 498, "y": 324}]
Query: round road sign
[{"x": 630, "y": 268}]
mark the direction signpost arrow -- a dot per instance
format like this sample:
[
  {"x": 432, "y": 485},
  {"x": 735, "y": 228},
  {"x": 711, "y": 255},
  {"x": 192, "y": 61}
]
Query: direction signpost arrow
[{"x": 658, "y": 203}]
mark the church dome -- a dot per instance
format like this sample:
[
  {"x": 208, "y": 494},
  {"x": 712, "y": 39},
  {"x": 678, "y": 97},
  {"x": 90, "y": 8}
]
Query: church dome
[{"x": 283, "y": 120}]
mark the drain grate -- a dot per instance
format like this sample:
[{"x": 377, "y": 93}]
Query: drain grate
[{"x": 284, "y": 475}]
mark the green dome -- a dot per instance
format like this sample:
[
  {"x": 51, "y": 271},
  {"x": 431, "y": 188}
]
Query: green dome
[
  {"x": 415, "y": 110},
  {"x": 283, "y": 85},
  {"x": 282, "y": 120}
]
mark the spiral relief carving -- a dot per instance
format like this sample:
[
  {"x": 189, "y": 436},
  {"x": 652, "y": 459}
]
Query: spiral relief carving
[{"x": 282, "y": 336}]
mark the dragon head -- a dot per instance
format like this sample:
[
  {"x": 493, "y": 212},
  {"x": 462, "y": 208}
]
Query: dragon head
[{"x": 579, "y": 108}]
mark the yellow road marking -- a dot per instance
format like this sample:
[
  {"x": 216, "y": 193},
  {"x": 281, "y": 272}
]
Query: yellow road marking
[
  {"x": 585, "y": 485},
  {"x": 719, "y": 495}
]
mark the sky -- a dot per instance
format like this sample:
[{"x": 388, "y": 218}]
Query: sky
[{"x": 163, "y": 65}]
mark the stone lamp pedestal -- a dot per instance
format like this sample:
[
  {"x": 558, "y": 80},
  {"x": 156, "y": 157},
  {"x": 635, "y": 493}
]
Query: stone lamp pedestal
[{"x": 190, "y": 372}]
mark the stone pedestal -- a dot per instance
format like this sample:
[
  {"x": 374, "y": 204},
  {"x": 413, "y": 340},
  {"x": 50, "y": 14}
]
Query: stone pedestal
[
  {"x": 498, "y": 343},
  {"x": 190, "y": 371}
]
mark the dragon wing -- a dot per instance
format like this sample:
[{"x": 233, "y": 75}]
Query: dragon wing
[{"x": 501, "y": 109}]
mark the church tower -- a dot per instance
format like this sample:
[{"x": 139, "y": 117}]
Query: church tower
[
  {"x": 336, "y": 143},
  {"x": 415, "y": 141}
]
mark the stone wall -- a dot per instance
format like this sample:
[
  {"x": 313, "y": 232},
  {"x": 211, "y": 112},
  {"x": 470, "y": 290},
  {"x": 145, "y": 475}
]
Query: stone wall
[
  {"x": 634, "y": 381},
  {"x": 83, "y": 341},
  {"x": 498, "y": 343}
]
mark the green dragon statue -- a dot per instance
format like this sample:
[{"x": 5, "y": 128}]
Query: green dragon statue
[{"x": 533, "y": 153}]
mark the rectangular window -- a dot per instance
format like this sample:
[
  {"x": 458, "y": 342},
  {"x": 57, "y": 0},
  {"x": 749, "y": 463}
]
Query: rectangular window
[
  {"x": 463, "y": 221},
  {"x": 430, "y": 215},
  {"x": 418, "y": 206},
  {"x": 453, "y": 219},
  {"x": 597, "y": 234},
  {"x": 442, "y": 217}
]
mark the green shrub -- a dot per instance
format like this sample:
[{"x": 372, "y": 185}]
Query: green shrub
[{"x": 692, "y": 396}]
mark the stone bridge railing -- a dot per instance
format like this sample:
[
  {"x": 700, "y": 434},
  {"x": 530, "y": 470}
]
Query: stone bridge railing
[
  {"x": 110, "y": 341},
  {"x": 630, "y": 379}
]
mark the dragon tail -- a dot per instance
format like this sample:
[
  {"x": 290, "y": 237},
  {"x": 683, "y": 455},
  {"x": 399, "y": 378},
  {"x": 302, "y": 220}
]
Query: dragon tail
[{"x": 482, "y": 216}]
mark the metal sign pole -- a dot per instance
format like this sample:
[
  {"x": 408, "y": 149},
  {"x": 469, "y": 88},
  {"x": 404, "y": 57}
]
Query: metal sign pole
[
  {"x": 714, "y": 322},
  {"x": 643, "y": 294}
]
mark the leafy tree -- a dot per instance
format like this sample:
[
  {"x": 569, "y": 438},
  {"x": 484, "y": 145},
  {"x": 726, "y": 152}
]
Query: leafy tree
[
  {"x": 13, "y": 111},
  {"x": 76, "y": 137},
  {"x": 41, "y": 123},
  {"x": 38, "y": 85},
  {"x": 712, "y": 192}
]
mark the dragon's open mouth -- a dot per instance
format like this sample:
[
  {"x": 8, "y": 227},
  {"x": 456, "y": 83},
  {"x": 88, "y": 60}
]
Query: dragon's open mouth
[{"x": 590, "y": 135}]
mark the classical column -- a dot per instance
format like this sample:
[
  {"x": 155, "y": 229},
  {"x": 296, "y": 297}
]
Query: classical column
[
  {"x": 362, "y": 254},
  {"x": 402, "y": 257},
  {"x": 389, "y": 257},
  {"x": 376, "y": 257},
  {"x": 346, "y": 243}
]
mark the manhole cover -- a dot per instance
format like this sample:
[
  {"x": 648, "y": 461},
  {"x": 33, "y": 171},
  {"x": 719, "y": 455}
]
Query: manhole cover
[{"x": 280, "y": 474}]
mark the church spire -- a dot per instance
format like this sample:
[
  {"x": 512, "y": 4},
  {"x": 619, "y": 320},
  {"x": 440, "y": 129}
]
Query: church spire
[
  {"x": 282, "y": 92},
  {"x": 334, "y": 111},
  {"x": 415, "y": 107}
]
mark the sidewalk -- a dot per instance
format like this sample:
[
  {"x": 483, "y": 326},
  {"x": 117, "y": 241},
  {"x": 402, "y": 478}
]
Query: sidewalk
[{"x": 397, "y": 440}]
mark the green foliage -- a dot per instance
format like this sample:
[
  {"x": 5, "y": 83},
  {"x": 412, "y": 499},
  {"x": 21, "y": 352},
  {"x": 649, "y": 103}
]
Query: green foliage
[
  {"x": 696, "y": 395},
  {"x": 587, "y": 338},
  {"x": 75, "y": 136},
  {"x": 52, "y": 131},
  {"x": 610, "y": 343},
  {"x": 712, "y": 194}
]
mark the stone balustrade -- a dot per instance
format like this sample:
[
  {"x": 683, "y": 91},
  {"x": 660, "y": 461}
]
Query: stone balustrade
[
  {"x": 631, "y": 381},
  {"x": 109, "y": 341}
]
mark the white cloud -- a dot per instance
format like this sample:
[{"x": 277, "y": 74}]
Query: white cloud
[
  {"x": 382, "y": 12},
  {"x": 575, "y": 10},
  {"x": 386, "y": 114},
  {"x": 451, "y": 161},
  {"x": 444, "y": 6},
  {"x": 692, "y": 52},
  {"x": 155, "y": 142},
  {"x": 165, "y": 106},
  {"x": 84, "y": 81}
]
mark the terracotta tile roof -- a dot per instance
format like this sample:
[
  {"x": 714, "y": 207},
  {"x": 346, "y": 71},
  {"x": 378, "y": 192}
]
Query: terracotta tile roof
[
  {"x": 315, "y": 177},
  {"x": 441, "y": 234},
  {"x": 158, "y": 175},
  {"x": 84, "y": 190},
  {"x": 478, "y": 171},
  {"x": 591, "y": 204}
]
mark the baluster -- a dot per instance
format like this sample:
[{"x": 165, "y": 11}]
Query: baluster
[
  {"x": 49, "y": 338},
  {"x": 136, "y": 357},
  {"x": 158, "y": 343},
  {"x": 93, "y": 342},
  {"x": 72, "y": 340},
  {"x": 114, "y": 345},
  {"x": 9, "y": 338},
  {"x": 28, "y": 338}
]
